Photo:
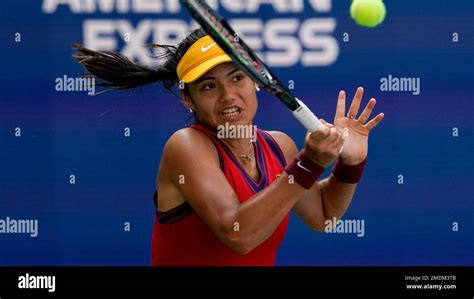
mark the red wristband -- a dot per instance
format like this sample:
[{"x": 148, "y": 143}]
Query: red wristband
[
  {"x": 304, "y": 170},
  {"x": 348, "y": 174}
]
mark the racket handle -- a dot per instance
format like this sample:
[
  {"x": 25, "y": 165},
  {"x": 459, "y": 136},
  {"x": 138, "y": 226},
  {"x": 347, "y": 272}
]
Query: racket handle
[{"x": 307, "y": 117}]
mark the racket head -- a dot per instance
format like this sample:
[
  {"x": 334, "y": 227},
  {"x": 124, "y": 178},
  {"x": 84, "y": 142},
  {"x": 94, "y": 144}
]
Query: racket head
[{"x": 242, "y": 55}]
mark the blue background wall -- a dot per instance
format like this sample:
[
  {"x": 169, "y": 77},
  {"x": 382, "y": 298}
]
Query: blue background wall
[{"x": 66, "y": 133}]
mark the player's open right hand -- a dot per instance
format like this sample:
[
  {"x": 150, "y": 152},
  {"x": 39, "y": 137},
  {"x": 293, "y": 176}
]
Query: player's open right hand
[{"x": 324, "y": 145}]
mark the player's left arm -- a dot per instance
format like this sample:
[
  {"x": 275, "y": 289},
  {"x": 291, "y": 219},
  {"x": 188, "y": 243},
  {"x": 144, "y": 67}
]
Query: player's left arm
[{"x": 330, "y": 198}]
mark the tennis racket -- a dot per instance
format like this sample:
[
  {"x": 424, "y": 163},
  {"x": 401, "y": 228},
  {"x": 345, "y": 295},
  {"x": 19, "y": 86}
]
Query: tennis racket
[{"x": 221, "y": 32}]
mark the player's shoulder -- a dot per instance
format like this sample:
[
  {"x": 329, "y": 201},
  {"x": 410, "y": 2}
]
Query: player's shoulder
[
  {"x": 279, "y": 136},
  {"x": 186, "y": 138},
  {"x": 285, "y": 142},
  {"x": 185, "y": 135},
  {"x": 187, "y": 143}
]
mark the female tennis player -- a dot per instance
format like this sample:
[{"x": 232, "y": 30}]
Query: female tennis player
[{"x": 226, "y": 201}]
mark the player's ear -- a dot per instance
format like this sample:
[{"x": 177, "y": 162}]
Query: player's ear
[
  {"x": 187, "y": 102},
  {"x": 256, "y": 87}
]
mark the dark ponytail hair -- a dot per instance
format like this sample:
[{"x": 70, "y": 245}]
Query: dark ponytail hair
[{"x": 116, "y": 71}]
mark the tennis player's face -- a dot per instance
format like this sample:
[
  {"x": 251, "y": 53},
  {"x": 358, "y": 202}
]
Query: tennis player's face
[{"x": 224, "y": 94}]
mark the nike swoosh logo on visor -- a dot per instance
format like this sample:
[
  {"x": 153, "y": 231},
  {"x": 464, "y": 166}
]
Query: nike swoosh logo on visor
[
  {"x": 205, "y": 49},
  {"x": 300, "y": 165}
]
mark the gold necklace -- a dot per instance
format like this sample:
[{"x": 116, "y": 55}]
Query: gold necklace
[
  {"x": 247, "y": 157},
  {"x": 244, "y": 157}
]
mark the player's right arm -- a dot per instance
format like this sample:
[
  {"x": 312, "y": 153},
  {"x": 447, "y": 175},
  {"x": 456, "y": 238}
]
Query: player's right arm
[{"x": 190, "y": 156}]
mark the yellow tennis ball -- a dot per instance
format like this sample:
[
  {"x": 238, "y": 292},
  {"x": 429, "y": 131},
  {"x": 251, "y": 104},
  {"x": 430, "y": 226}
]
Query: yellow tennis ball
[{"x": 368, "y": 13}]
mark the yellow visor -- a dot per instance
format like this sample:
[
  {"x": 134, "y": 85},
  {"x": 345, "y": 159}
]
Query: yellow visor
[{"x": 202, "y": 56}]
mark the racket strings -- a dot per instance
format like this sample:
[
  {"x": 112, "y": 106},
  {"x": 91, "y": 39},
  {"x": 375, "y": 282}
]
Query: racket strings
[
  {"x": 231, "y": 38},
  {"x": 221, "y": 30}
]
